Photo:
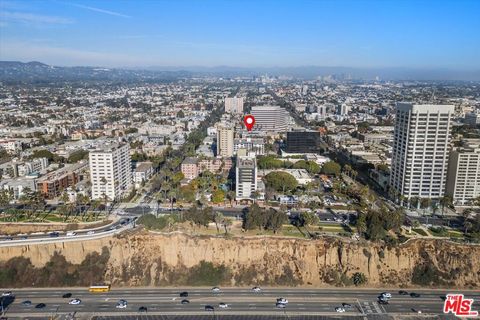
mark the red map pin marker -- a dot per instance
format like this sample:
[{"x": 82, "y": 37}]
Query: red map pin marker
[{"x": 249, "y": 121}]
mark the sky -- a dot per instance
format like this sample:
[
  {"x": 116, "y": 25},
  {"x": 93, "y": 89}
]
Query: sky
[{"x": 243, "y": 33}]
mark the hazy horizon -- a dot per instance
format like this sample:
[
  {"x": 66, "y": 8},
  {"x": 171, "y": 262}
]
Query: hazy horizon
[{"x": 242, "y": 34}]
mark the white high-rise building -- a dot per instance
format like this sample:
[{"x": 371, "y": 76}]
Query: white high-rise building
[
  {"x": 110, "y": 171},
  {"x": 224, "y": 140},
  {"x": 420, "y": 150},
  {"x": 246, "y": 178},
  {"x": 234, "y": 105},
  {"x": 270, "y": 118},
  {"x": 463, "y": 182}
]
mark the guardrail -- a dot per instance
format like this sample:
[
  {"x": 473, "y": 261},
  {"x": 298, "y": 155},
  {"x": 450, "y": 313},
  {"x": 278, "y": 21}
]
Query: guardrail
[{"x": 46, "y": 240}]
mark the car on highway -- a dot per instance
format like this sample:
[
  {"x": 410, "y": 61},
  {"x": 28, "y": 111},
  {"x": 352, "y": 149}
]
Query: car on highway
[
  {"x": 185, "y": 301},
  {"x": 339, "y": 309},
  {"x": 75, "y": 301},
  {"x": 280, "y": 305},
  {"x": 414, "y": 295},
  {"x": 71, "y": 234},
  {"x": 121, "y": 304},
  {"x": 67, "y": 295},
  {"x": 142, "y": 309},
  {"x": 27, "y": 303},
  {"x": 403, "y": 293},
  {"x": 209, "y": 308},
  {"x": 216, "y": 289},
  {"x": 23, "y": 237},
  {"x": 40, "y": 306},
  {"x": 8, "y": 238},
  {"x": 223, "y": 305},
  {"x": 386, "y": 295},
  {"x": 346, "y": 305},
  {"x": 54, "y": 234},
  {"x": 282, "y": 300},
  {"x": 183, "y": 294},
  {"x": 7, "y": 294},
  {"x": 91, "y": 232},
  {"x": 382, "y": 301},
  {"x": 256, "y": 289}
]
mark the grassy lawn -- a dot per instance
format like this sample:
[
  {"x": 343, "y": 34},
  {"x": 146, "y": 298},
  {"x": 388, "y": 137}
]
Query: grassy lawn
[
  {"x": 455, "y": 234},
  {"x": 420, "y": 231}
]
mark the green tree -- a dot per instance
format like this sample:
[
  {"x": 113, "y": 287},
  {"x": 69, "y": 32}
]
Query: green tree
[
  {"x": 280, "y": 181},
  {"x": 77, "y": 156},
  {"x": 218, "y": 196},
  {"x": 311, "y": 166},
  {"x": 359, "y": 278},
  {"x": 308, "y": 218},
  {"x": 331, "y": 168}
]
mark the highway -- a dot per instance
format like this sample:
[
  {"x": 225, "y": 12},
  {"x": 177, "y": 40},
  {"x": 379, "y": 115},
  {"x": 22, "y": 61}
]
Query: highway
[
  {"x": 80, "y": 235},
  {"x": 241, "y": 301}
]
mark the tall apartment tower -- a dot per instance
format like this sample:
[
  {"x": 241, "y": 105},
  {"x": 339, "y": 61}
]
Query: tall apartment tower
[
  {"x": 234, "y": 105},
  {"x": 463, "y": 181},
  {"x": 246, "y": 177},
  {"x": 110, "y": 171},
  {"x": 224, "y": 140},
  {"x": 270, "y": 118},
  {"x": 420, "y": 150}
]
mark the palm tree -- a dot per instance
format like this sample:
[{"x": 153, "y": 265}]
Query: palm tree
[{"x": 226, "y": 223}]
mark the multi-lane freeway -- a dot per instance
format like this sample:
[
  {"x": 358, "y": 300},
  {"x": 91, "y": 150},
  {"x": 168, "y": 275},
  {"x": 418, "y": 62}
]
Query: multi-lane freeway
[{"x": 241, "y": 301}]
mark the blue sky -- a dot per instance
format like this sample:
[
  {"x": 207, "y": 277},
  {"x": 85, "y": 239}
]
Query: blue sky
[{"x": 360, "y": 33}]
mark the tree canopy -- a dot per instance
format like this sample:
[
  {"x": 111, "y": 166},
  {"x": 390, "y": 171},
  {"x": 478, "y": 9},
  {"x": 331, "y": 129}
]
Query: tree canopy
[
  {"x": 331, "y": 168},
  {"x": 280, "y": 181}
]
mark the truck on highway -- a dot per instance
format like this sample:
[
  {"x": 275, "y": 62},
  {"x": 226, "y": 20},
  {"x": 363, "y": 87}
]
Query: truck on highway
[{"x": 99, "y": 288}]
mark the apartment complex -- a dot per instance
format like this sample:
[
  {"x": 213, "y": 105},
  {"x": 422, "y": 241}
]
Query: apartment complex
[
  {"x": 270, "y": 119},
  {"x": 56, "y": 182},
  {"x": 251, "y": 145},
  {"x": 420, "y": 150},
  {"x": 110, "y": 171},
  {"x": 463, "y": 182},
  {"x": 192, "y": 167},
  {"x": 234, "y": 105},
  {"x": 246, "y": 178},
  {"x": 224, "y": 140}
]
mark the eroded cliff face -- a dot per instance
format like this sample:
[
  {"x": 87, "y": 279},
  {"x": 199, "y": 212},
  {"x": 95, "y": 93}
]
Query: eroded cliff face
[{"x": 150, "y": 259}]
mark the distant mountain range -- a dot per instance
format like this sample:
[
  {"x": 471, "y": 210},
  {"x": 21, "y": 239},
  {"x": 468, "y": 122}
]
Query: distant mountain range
[{"x": 15, "y": 71}]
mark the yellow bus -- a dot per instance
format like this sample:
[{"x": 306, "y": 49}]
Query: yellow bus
[{"x": 99, "y": 288}]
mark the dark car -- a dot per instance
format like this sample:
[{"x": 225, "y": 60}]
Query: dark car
[
  {"x": 27, "y": 303},
  {"x": 40, "y": 306},
  {"x": 346, "y": 305},
  {"x": 142, "y": 309},
  {"x": 67, "y": 295},
  {"x": 403, "y": 293},
  {"x": 54, "y": 234},
  {"x": 184, "y": 294},
  {"x": 209, "y": 308},
  {"x": 414, "y": 295},
  {"x": 185, "y": 301}
]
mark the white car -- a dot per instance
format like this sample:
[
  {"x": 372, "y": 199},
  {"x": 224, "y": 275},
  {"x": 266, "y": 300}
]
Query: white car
[
  {"x": 75, "y": 301},
  {"x": 7, "y": 294},
  {"x": 122, "y": 304},
  {"x": 339, "y": 309},
  {"x": 91, "y": 232},
  {"x": 71, "y": 234},
  {"x": 216, "y": 289},
  {"x": 223, "y": 305},
  {"x": 387, "y": 295},
  {"x": 280, "y": 305},
  {"x": 282, "y": 300},
  {"x": 256, "y": 289}
]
